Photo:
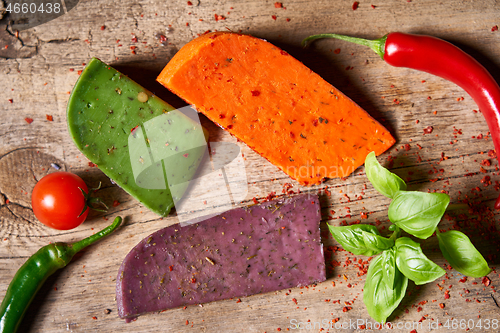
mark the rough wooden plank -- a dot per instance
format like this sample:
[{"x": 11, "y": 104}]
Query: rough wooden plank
[{"x": 43, "y": 65}]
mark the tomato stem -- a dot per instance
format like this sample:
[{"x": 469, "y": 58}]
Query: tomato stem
[{"x": 90, "y": 202}]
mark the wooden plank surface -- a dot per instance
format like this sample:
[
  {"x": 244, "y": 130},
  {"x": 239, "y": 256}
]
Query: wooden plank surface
[{"x": 39, "y": 67}]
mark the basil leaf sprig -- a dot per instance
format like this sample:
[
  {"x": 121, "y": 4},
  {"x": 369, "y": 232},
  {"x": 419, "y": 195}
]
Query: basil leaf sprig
[
  {"x": 400, "y": 259},
  {"x": 418, "y": 213}
]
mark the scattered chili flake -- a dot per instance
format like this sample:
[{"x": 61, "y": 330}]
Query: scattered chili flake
[
  {"x": 441, "y": 305},
  {"x": 189, "y": 3},
  {"x": 278, "y": 5},
  {"x": 116, "y": 203},
  {"x": 336, "y": 51},
  {"x": 94, "y": 317},
  {"x": 346, "y": 308},
  {"x": 255, "y": 93},
  {"x": 373, "y": 6},
  {"x": 186, "y": 155},
  {"x": 28, "y": 120},
  {"x": 11, "y": 100},
  {"x": 49, "y": 117},
  {"x": 495, "y": 28},
  {"x": 219, "y": 17},
  {"x": 294, "y": 300},
  {"x": 187, "y": 322},
  {"x": 355, "y": 5},
  {"x": 428, "y": 130},
  {"x": 446, "y": 294},
  {"x": 486, "y": 281},
  {"x": 274, "y": 17},
  {"x": 103, "y": 27},
  {"x": 171, "y": 268}
]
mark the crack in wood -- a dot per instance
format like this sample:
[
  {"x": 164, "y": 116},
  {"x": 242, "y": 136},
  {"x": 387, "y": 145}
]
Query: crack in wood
[{"x": 494, "y": 300}]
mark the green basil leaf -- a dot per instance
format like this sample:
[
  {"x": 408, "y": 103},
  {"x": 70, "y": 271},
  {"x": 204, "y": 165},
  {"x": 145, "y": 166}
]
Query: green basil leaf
[
  {"x": 414, "y": 264},
  {"x": 389, "y": 265},
  {"x": 384, "y": 181},
  {"x": 380, "y": 299},
  {"x": 418, "y": 213},
  {"x": 461, "y": 254},
  {"x": 361, "y": 239}
]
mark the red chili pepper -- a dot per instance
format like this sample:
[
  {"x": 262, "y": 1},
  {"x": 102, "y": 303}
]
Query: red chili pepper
[{"x": 441, "y": 58}]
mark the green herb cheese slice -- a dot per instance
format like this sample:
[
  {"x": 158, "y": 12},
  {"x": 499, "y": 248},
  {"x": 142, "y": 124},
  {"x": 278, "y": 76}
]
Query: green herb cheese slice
[{"x": 140, "y": 142}]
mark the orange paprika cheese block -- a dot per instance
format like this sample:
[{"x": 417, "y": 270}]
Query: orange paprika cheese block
[{"x": 276, "y": 105}]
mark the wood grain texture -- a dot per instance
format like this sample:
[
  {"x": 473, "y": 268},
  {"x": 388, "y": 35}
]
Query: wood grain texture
[{"x": 40, "y": 66}]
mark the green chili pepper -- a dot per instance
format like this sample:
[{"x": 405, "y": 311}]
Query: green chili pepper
[{"x": 35, "y": 271}]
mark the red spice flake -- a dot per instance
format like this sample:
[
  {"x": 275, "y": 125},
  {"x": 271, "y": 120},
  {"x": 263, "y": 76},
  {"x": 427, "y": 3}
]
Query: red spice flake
[
  {"x": 133, "y": 129},
  {"x": 355, "y": 5},
  {"x": 495, "y": 28},
  {"x": 278, "y": 5},
  {"x": 187, "y": 322},
  {"x": 219, "y": 17},
  {"x": 294, "y": 300},
  {"x": 278, "y": 329},
  {"x": 287, "y": 19},
  {"x": 255, "y": 93},
  {"x": 463, "y": 280},
  {"x": 189, "y": 3},
  {"x": 11, "y": 100},
  {"x": 486, "y": 281},
  {"x": 407, "y": 147},
  {"x": 446, "y": 294},
  {"x": 486, "y": 162},
  {"x": 255, "y": 200},
  {"x": 116, "y": 203},
  {"x": 441, "y": 305},
  {"x": 373, "y": 6},
  {"x": 274, "y": 17},
  {"x": 28, "y": 120},
  {"x": 134, "y": 39},
  {"x": 428, "y": 130},
  {"x": 419, "y": 309},
  {"x": 80, "y": 71},
  {"x": 94, "y": 317},
  {"x": 171, "y": 268},
  {"x": 413, "y": 331},
  {"x": 186, "y": 155},
  {"x": 92, "y": 165},
  {"x": 103, "y": 27},
  {"x": 239, "y": 300},
  {"x": 346, "y": 308},
  {"x": 336, "y": 51},
  {"x": 492, "y": 153},
  {"x": 193, "y": 280},
  {"x": 49, "y": 117}
]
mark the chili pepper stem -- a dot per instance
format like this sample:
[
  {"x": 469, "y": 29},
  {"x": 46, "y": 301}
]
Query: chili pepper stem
[
  {"x": 95, "y": 237},
  {"x": 377, "y": 45}
]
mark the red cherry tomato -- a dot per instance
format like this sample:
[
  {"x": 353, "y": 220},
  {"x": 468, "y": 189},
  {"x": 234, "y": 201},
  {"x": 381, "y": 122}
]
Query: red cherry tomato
[{"x": 58, "y": 202}]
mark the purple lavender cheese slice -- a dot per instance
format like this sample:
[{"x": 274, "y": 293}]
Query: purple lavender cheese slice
[{"x": 245, "y": 251}]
